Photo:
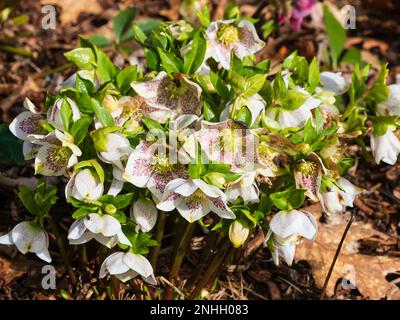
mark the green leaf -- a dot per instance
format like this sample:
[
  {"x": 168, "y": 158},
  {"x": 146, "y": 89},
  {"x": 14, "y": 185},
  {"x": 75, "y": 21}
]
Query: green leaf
[
  {"x": 125, "y": 77},
  {"x": 138, "y": 34},
  {"x": 204, "y": 17},
  {"x": 99, "y": 40},
  {"x": 278, "y": 87},
  {"x": 253, "y": 85},
  {"x": 170, "y": 61},
  {"x": 313, "y": 75},
  {"x": 102, "y": 114},
  {"x": 310, "y": 133},
  {"x": 291, "y": 61},
  {"x": 244, "y": 115},
  {"x": 119, "y": 201},
  {"x": 66, "y": 114},
  {"x": 297, "y": 198},
  {"x": 152, "y": 124},
  {"x": 293, "y": 99},
  {"x": 279, "y": 199},
  {"x": 79, "y": 129},
  {"x": 83, "y": 212},
  {"x": 105, "y": 68},
  {"x": 336, "y": 35},
  {"x": 123, "y": 21},
  {"x": 219, "y": 85},
  {"x": 26, "y": 196},
  {"x": 381, "y": 124},
  {"x": 83, "y": 58},
  {"x": 194, "y": 58}
]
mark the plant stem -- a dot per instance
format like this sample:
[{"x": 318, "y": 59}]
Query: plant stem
[
  {"x": 205, "y": 255},
  {"x": 227, "y": 257},
  {"x": 178, "y": 259},
  {"x": 61, "y": 248},
  {"x": 116, "y": 287},
  {"x": 213, "y": 267},
  {"x": 83, "y": 254},
  {"x": 322, "y": 296},
  {"x": 162, "y": 218}
]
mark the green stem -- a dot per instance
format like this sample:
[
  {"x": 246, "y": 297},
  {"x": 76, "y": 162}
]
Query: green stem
[
  {"x": 180, "y": 253},
  {"x": 216, "y": 262},
  {"x": 14, "y": 50},
  {"x": 160, "y": 227},
  {"x": 61, "y": 248}
]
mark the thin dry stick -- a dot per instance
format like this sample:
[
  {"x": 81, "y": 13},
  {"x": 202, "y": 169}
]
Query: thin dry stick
[{"x": 336, "y": 256}]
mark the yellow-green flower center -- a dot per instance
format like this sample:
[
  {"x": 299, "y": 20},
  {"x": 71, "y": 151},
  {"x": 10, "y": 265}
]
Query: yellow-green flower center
[
  {"x": 307, "y": 168},
  {"x": 228, "y": 34},
  {"x": 161, "y": 164},
  {"x": 196, "y": 197}
]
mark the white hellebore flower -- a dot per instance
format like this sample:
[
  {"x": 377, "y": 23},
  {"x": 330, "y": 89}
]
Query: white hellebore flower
[
  {"x": 144, "y": 214},
  {"x": 114, "y": 148},
  {"x": 169, "y": 98},
  {"x": 54, "y": 113},
  {"x": 84, "y": 185},
  {"x": 255, "y": 104},
  {"x": 386, "y": 147},
  {"x": 227, "y": 35},
  {"x": 333, "y": 82},
  {"x": 28, "y": 237},
  {"x": 390, "y": 107},
  {"x": 103, "y": 228},
  {"x": 55, "y": 157},
  {"x": 336, "y": 200},
  {"x": 194, "y": 199},
  {"x": 287, "y": 229},
  {"x": 126, "y": 266}
]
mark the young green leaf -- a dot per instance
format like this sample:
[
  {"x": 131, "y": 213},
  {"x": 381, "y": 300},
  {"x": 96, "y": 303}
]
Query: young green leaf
[
  {"x": 194, "y": 58},
  {"x": 336, "y": 35},
  {"x": 170, "y": 62},
  {"x": 122, "y": 22},
  {"x": 102, "y": 114}
]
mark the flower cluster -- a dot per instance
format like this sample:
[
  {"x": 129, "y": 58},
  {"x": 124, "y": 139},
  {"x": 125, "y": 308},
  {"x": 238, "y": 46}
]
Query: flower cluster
[{"x": 204, "y": 132}]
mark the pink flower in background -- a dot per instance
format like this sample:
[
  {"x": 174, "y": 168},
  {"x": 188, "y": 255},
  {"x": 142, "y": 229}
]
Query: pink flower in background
[{"x": 300, "y": 10}]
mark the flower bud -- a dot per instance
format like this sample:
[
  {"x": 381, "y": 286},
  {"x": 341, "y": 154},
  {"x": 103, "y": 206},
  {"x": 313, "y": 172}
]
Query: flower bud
[
  {"x": 216, "y": 179},
  {"x": 238, "y": 232},
  {"x": 110, "y": 209}
]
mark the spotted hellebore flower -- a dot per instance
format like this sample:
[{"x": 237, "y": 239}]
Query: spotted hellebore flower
[
  {"x": 26, "y": 124},
  {"x": 194, "y": 199},
  {"x": 333, "y": 82},
  {"x": 169, "y": 97},
  {"x": 336, "y": 200},
  {"x": 386, "y": 147},
  {"x": 126, "y": 266},
  {"x": 287, "y": 228},
  {"x": 308, "y": 174},
  {"x": 103, "y": 228},
  {"x": 27, "y": 236},
  {"x": 144, "y": 214},
  {"x": 54, "y": 113},
  {"x": 390, "y": 107},
  {"x": 113, "y": 148},
  {"x": 149, "y": 166},
  {"x": 227, "y": 35},
  {"x": 53, "y": 159},
  {"x": 84, "y": 185}
]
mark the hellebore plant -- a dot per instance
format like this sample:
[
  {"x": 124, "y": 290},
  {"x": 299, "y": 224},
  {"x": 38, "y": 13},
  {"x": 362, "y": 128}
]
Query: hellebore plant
[{"x": 206, "y": 140}]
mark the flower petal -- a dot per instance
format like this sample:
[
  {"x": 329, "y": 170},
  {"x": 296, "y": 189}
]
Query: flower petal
[
  {"x": 192, "y": 209},
  {"x": 52, "y": 160},
  {"x": 144, "y": 213},
  {"x": 29, "y": 237},
  {"x": 138, "y": 263},
  {"x": 27, "y": 123}
]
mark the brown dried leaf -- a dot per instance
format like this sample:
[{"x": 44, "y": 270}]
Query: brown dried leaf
[
  {"x": 368, "y": 272},
  {"x": 71, "y": 9}
]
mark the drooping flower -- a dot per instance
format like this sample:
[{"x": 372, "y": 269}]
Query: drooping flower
[
  {"x": 144, "y": 214},
  {"x": 227, "y": 35},
  {"x": 169, "y": 97},
  {"x": 194, "y": 199},
  {"x": 308, "y": 174},
  {"x": 103, "y": 228},
  {"x": 335, "y": 200},
  {"x": 150, "y": 166},
  {"x": 84, "y": 185},
  {"x": 54, "y": 113},
  {"x": 297, "y": 117},
  {"x": 54, "y": 158},
  {"x": 386, "y": 147},
  {"x": 287, "y": 228},
  {"x": 238, "y": 233},
  {"x": 113, "y": 148},
  {"x": 126, "y": 266},
  {"x": 390, "y": 107},
  {"x": 255, "y": 104},
  {"x": 27, "y": 236},
  {"x": 333, "y": 82}
]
